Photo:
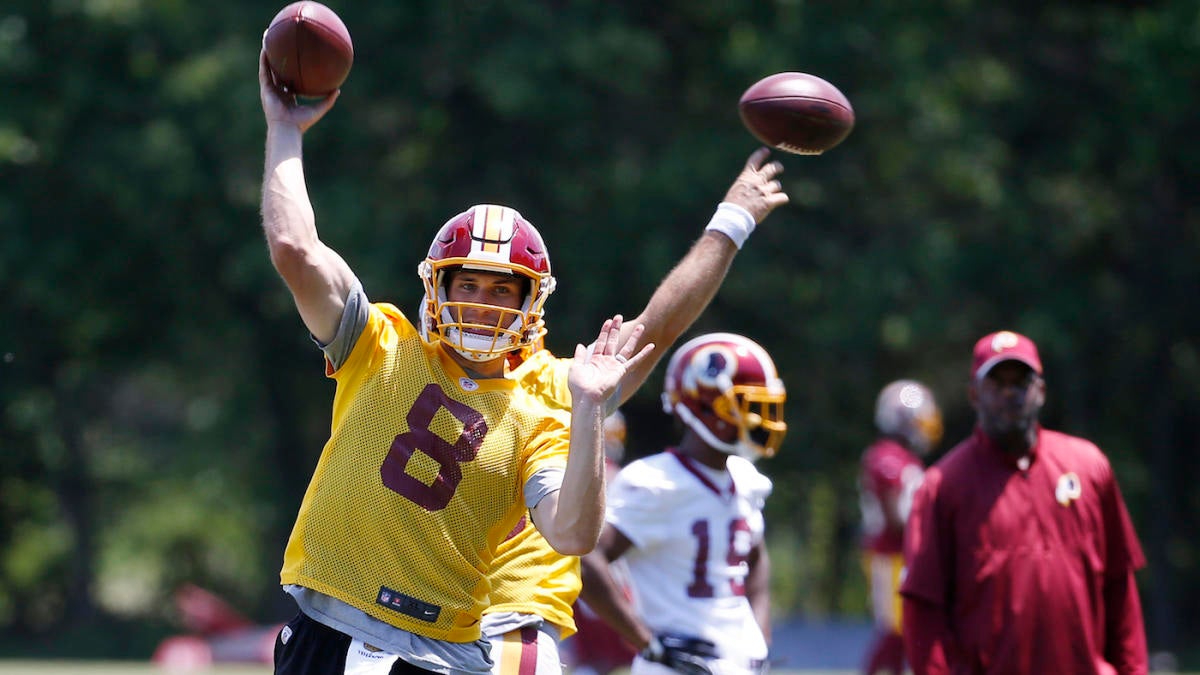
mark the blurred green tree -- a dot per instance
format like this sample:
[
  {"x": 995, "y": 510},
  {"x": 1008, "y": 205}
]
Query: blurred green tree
[{"x": 161, "y": 407}]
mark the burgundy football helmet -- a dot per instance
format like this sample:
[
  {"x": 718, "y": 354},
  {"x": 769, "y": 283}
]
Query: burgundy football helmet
[
  {"x": 907, "y": 410},
  {"x": 487, "y": 238},
  {"x": 725, "y": 388}
]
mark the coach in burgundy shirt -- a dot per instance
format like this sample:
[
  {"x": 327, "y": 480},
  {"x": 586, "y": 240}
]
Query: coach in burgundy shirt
[{"x": 1020, "y": 553}]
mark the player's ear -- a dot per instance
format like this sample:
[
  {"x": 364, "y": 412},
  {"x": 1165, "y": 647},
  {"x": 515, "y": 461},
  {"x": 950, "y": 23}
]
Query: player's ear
[{"x": 1039, "y": 390}]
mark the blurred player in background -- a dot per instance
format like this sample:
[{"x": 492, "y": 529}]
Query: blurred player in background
[
  {"x": 533, "y": 587},
  {"x": 688, "y": 521},
  {"x": 217, "y": 633},
  {"x": 909, "y": 423},
  {"x": 1020, "y": 552},
  {"x": 597, "y": 649}
]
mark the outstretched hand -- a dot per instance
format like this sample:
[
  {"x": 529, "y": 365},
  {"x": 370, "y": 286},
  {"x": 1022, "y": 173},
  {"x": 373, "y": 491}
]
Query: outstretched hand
[
  {"x": 596, "y": 373},
  {"x": 757, "y": 188},
  {"x": 280, "y": 106}
]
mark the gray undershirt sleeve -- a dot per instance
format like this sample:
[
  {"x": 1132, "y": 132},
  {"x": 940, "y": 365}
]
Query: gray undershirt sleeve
[
  {"x": 541, "y": 484},
  {"x": 354, "y": 320}
]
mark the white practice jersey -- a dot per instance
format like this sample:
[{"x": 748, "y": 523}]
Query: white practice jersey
[{"x": 692, "y": 529}]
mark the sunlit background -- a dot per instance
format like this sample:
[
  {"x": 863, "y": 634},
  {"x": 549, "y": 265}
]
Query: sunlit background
[{"x": 161, "y": 406}]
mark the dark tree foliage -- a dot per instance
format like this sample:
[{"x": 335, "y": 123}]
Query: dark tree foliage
[{"x": 1015, "y": 165}]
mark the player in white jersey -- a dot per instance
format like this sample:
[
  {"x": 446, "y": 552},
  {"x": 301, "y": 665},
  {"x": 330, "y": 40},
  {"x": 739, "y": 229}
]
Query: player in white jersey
[{"x": 688, "y": 521}]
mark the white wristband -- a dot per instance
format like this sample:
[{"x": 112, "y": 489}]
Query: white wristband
[{"x": 732, "y": 221}]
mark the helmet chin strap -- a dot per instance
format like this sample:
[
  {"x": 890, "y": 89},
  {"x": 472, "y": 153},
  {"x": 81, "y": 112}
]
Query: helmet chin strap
[
  {"x": 739, "y": 448},
  {"x": 747, "y": 453},
  {"x": 477, "y": 348}
]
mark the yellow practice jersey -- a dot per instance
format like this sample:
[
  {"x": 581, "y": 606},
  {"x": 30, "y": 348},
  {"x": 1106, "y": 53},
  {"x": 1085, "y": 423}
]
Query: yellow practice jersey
[
  {"x": 420, "y": 482},
  {"x": 528, "y": 575}
]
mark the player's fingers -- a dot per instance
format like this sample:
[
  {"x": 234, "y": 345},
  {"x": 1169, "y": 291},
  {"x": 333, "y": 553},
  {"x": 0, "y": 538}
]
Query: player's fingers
[
  {"x": 266, "y": 77},
  {"x": 631, "y": 342},
  {"x": 757, "y": 158},
  {"x": 326, "y": 103},
  {"x": 642, "y": 354},
  {"x": 613, "y": 339},
  {"x": 600, "y": 346},
  {"x": 771, "y": 170}
]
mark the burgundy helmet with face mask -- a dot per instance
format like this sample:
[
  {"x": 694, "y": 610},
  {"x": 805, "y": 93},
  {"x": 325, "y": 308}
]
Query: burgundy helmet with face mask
[
  {"x": 486, "y": 238},
  {"x": 725, "y": 388}
]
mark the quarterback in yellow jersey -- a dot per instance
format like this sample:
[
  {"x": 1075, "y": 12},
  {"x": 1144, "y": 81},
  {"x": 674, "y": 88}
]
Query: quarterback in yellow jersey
[
  {"x": 434, "y": 453},
  {"x": 449, "y": 426}
]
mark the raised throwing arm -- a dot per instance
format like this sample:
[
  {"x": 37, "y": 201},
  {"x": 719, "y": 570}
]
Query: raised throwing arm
[
  {"x": 691, "y": 285},
  {"x": 316, "y": 275}
]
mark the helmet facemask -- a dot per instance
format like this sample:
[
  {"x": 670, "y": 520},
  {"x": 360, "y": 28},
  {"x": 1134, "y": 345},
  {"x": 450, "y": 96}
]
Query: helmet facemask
[
  {"x": 512, "y": 329},
  {"x": 757, "y": 414}
]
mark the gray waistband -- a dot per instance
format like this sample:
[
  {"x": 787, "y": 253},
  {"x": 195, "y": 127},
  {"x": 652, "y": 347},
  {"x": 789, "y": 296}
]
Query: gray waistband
[{"x": 496, "y": 624}]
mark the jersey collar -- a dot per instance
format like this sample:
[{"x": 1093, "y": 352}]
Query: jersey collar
[
  {"x": 702, "y": 474},
  {"x": 1014, "y": 463}
]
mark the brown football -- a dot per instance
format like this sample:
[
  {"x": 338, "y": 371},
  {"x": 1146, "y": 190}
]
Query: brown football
[
  {"x": 309, "y": 49},
  {"x": 797, "y": 113}
]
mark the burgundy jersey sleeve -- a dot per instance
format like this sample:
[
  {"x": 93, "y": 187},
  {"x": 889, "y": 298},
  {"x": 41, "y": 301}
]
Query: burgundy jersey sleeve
[
  {"x": 925, "y": 638},
  {"x": 927, "y": 545},
  {"x": 1124, "y": 551},
  {"x": 1125, "y": 644}
]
